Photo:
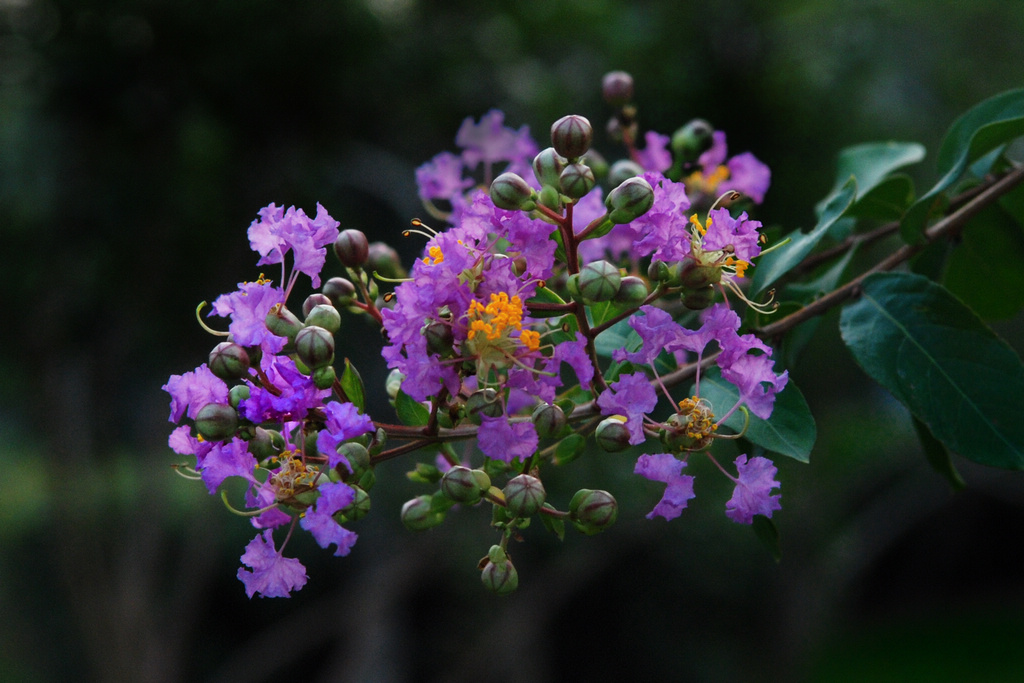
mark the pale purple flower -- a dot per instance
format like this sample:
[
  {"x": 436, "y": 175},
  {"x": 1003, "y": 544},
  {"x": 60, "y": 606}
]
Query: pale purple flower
[
  {"x": 632, "y": 396},
  {"x": 739, "y": 233},
  {"x": 295, "y": 394},
  {"x": 490, "y": 140},
  {"x": 655, "y": 156},
  {"x": 194, "y": 390},
  {"x": 502, "y": 440},
  {"x": 344, "y": 422},
  {"x": 231, "y": 459},
  {"x": 319, "y": 520},
  {"x": 441, "y": 177},
  {"x": 752, "y": 495},
  {"x": 277, "y": 231},
  {"x": 272, "y": 575},
  {"x": 665, "y": 467},
  {"x": 248, "y": 307}
]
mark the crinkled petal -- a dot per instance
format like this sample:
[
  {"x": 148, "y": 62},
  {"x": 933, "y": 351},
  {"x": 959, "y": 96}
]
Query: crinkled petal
[
  {"x": 752, "y": 495},
  {"x": 665, "y": 467},
  {"x": 272, "y": 575}
]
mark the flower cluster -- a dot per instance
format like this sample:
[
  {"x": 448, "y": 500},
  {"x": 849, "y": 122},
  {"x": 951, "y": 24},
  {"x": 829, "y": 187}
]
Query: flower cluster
[{"x": 555, "y": 308}]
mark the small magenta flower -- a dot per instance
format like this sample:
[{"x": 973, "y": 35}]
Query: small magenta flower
[
  {"x": 319, "y": 520},
  {"x": 666, "y": 468},
  {"x": 344, "y": 422},
  {"x": 742, "y": 173},
  {"x": 248, "y": 307},
  {"x": 490, "y": 141},
  {"x": 194, "y": 390},
  {"x": 278, "y": 231},
  {"x": 752, "y": 495},
  {"x": 632, "y": 396},
  {"x": 500, "y": 439},
  {"x": 271, "y": 575}
]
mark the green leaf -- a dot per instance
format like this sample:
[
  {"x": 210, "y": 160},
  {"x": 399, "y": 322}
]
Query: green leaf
[
  {"x": 769, "y": 535},
  {"x": 555, "y": 525},
  {"x": 569, "y": 448},
  {"x": 545, "y": 295},
  {"x": 937, "y": 456},
  {"x": 616, "y": 337},
  {"x": 872, "y": 162},
  {"x": 352, "y": 385},
  {"x": 410, "y": 411},
  {"x": 775, "y": 264},
  {"x": 887, "y": 201},
  {"x": 790, "y": 430},
  {"x": 941, "y": 361},
  {"x": 984, "y": 127}
]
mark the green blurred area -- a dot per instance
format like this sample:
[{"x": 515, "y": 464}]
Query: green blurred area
[{"x": 139, "y": 139}]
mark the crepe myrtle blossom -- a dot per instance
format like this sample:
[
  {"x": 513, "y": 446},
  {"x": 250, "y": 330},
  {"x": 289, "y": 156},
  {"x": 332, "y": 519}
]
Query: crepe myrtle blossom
[
  {"x": 270, "y": 574},
  {"x": 717, "y": 175}
]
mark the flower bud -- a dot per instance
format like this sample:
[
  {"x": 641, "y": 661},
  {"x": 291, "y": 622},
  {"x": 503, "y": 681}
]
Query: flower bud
[
  {"x": 314, "y": 299},
  {"x": 228, "y": 361},
  {"x": 418, "y": 514},
  {"x": 659, "y": 271},
  {"x": 612, "y": 435},
  {"x": 237, "y": 394},
  {"x": 550, "y": 198},
  {"x": 571, "y": 136},
  {"x": 596, "y": 163},
  {"x": 357, "y": 455},
  {"x": 692, "y": 140},
  {"x": 340, "y": 291},
  {"x": 393, "y": 383},
  {"x": 632, "y": 198},
  {"x": 699, "y": 299},
  {"x": 323, "y": 378},
  {"x": 622, "y": 170},
  {"x": 439, "y": 338},
  {"x": 315, "y": 346},
  {"x": 694, "y": 276},
  {"x": 548, "y": 165},
  {"x": 325, "y": 316},
  {"x": 358, "y": 508},
  {"x": 511, "y": 192},
  {"x": 592, "y": 511},
  {"x": 352, "y": 248},
  {"x": 599, "y": 281},
  {"x": 524, "y": 495},
  {"x": 617, "y": 88},
  {"x": 384, "y": 260},
  {"x": 261, "y": 445},
  {"x": 483, "y": 402},
  {"x": 216, "y": 422},
  {"x": 282, "y": 322},
  {"x": 549, "y": 420},
  {"x": 576, "y": 180},
  {"x": 632, "y": 291},
  {"x": 499, "y": 576},
  {"x": 460, "y": 484}
]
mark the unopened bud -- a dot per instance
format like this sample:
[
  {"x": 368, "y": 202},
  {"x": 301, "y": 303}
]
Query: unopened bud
[
  {"x": 499, "y": 576},
  {"x": 418, "y": 514},
  {"x": 549, "y": 420},
  {"x": 357, "y": 456},
  {"x": 596, "y": 162},
  {"x": 237, "y": 394},
  {"x": 216, "y": 422},
  {"x": 592, "y": 511},
  {"x": 323, "y": 378},
  {"x": 692, "y": 140},
  {"x": 524, "y": 495},
  {"x": 352, "y": 248},
  {"x": 439, "y": 338},
  {"x": 617, "y": 88},
  {"x": 612, "y": 435},
  {"x": 340, "y": 291},
  {"x": 384, "y": 260},
  {"x": 509, "y": 191},
  {"x": 282, "y": 322},
  {"x": 632, "y": 291},
  {"x": 550, "y": 198},
  {"x": 632, "y": 198},
  {"x": 659, "y": 271},
  {"x": 461, "y": 485},
  {"x": 393, "y": 383},
  {"x": 314, "y": 299},
  {"x": 699, "y": 299},
  {"x": 622, "y": 170},
  {"x": 576, "y": 180},
  {"x": 599, "y": 281},
  {"x": 315, "y": 347},
  {"x": 483, "y": 402},
  {"x": 358, "y": 508},
  {"x": 228, "y": 361},
  {"x": 548, "y": 165},
  {"x": 325, "y": 316},
  {"x": 694, "y": 276},
  {"x": 571, "y": 136},
  {"x": 261, "y": 445}
]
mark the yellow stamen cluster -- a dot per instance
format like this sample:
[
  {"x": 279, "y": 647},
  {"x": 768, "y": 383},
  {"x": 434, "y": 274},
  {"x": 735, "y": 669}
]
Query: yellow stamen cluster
[
  {"x": 436, "y": 256},
  {"x": 700, "y": 418},
  {"x": 707, "y": 182},
  {"x": 737, "y": 267},
  {"x": 502, "y": 315},
  {"x": 293, "y": 477}
]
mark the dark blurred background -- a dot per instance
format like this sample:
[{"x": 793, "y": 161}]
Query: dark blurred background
[{"x": 139, "y": 139}]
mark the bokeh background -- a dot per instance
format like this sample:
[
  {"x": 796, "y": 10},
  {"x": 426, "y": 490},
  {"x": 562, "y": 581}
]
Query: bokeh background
[{"x": 138, "y": 140}]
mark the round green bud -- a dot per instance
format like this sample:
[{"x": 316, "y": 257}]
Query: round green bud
[
  {"x": 384, "y": 260},
  {"x": 511, "y": 192},
  {"x": 571, "y": 136},
  {"x": 216, "y": 422},
  {"x": 325, "y": 316},
  {"x": 659, "y": 271},
  {"x": 340, "y": 291},
  {"x": 314, "y": 299},
  {"x": 692, "y": 140},
  {"x": 393, "y": 383},
  {"x": 550, "y": 198},
  {"x": 500, "y": 577},
  {"x": 592, "y": 511},
  {"x": 572, "y": 285},
  {"x": 632, "y": 198},
  {"x": 358, "y": 458},
  {"x": 617, "y": 88},
  {"x": 237, "y": 394},
  {"x": 460, "y": 484},
  {"x": 315, "y": 346},
  {"x": 282, "y": 322},
  {"x": 261, "y": 445},
  {"x": 576, "y": 180},
  {"x": 622, "y": 170},
  {"x": 549, "y": 420},
  {"x": 439, "y": 338},
  {"x": 694, "y": 276},
  {"x": 548, "y": 165},
  {"x": 524, "y": 495},
  {"x": 228, "y": 361},
  {"x": 612, "y": 435},
  {"x": 599, "y": 281},
  {"x": 699, "y": 299},
  {"x": 323, "y": 378},
  {"x": 418, "y": 514},
  {"x": 358, "y": 508},
  {"x": 483, "y": 402},
  {"x": 632, "y": 291},
  {"x": 597, "y": 163},
  {"x": 352, "y": 248}
]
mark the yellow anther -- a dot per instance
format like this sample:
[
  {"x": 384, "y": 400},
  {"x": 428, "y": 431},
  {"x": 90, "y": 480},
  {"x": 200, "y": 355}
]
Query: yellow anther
[{"x": 436, "y": 256}]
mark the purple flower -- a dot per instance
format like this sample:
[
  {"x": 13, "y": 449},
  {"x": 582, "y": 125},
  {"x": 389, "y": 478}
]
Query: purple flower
[
  {"x": 441, "y": 177},
  {"x": 272, "y": 575},
  {"x": 182, "y": 442},
  {"x": 661, "y": 231},
  {"x": 657, "y": 330},
  {"x": 754, "y": 376},
  {"x": 293, "y": 396},
  {"x": 277, "y": 232},
  {"x": 344, "y": 422},
  {"x": 655, "y": 156},
  {"x": 741, "y": 234},
  {"x": 320, "y": 522},
  {"x": 224, "y": 460},
  {"x": 665, "y": 467},
  {"x": 194, "y": 390},
  {"x": 632, "y": 396},
  {"x": 490, "y": 141},
  {"x": 575, "y": 354},
  {"x": 502, "y": 440},
  {"x": 747, "y": 175},
  {"x": 248, "y": 308},
  {"x": 753, "y": 487}
]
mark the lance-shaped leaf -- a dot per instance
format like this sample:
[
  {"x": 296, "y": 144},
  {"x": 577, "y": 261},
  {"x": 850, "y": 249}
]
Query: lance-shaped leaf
[{"x": 941, "y": 361}]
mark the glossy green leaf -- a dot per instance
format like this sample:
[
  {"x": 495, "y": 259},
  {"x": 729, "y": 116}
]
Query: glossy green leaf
[
  {"x": 410, "y": 411},
  {"x": 768, "y": 534},
  {"x": 569, "y": 448},
  {"x": 790, "y": 430},
  {"x": 872, "y": 162},
  {"x": 987, "y": 125},
  {"x": 886, "y": 201},
  {"x": 938, "y": 456},
  {"x": 775, "y": 264},
  {"x": 545, "y": 295},
  {"x": 352, "y": 385},
  {"x": 555, "y": 525},
  {"x": 940, "y": 360}
]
